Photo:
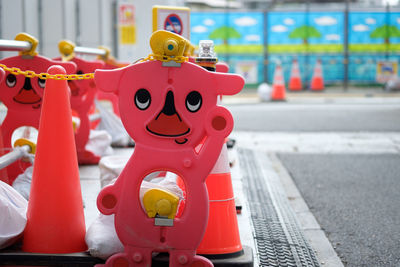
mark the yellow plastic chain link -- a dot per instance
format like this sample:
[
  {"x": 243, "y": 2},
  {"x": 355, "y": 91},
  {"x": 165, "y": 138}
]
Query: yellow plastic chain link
[
  {"x": 45, "y": 76},
  {"x": 177, "y": 59}
]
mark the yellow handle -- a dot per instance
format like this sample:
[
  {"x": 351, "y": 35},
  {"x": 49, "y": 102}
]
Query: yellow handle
[
  {"x": 66, "y": 49},
  {"x": 26, "y": 142},
  {"x": 158, "y": 201},
  {"x": 27, "y": 38}
]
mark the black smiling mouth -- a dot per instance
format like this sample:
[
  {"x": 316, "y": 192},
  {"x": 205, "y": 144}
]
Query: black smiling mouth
[{"x": 181, "y": 141}]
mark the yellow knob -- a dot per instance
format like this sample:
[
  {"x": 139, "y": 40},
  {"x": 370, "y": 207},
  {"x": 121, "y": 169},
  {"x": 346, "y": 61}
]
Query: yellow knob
[
  {"x": 171, "y": 47},
  {"x": 163, "y": 207},
  {"x": 66, "y": 49},
  {"x": 27, "y": 38}
]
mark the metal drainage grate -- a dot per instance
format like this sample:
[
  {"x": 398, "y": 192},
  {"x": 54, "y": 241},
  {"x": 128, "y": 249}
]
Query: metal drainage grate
[{"x": 279, "y": 239}]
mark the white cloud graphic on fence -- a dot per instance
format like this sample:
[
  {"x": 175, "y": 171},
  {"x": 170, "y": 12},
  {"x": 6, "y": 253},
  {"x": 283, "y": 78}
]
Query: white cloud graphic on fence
[
  {"x": 252, "y": 38},
  {"x": 245, "y": 21},
  {"x": 288, "y": 21},
  {"x": 199, "y": 29},
  {"x": 279, "y": 28},
  {"x": 325, "y": 21},
  {"x": 209, "y": 22},
  {"x": 332, "y": 37},
  {"x": 370, "y": 21},
  {"x": 360, "y": 28}
]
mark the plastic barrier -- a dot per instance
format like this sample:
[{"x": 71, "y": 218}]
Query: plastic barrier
[
  {"x": 22, "y": 95},
  {"x": 171, "y": 114},
  {"x": 83, "y": 93}
]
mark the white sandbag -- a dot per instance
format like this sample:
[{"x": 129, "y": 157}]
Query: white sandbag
[
  {"x": 99, "y": 143},
  {"x": 13, "y": 215},
  {"x": 23, "y": 182},
  {"x": 101, "y": 237},
  {"x": 113, "y": 125},
  {"x": 264, "y": 92},
  {"x": 110, "y": 167}
]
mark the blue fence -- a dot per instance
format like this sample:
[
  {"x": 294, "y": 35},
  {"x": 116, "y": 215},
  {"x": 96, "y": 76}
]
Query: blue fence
[{"x": 253, "y": 42}]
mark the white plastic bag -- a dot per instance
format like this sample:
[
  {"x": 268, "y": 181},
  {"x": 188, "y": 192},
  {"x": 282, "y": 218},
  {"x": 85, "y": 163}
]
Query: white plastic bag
[
  {"x": 23, "y": 182},
  {"x": 264, "y": 92},
  {"x": 13, "y": 215},
  {"x": 101, "y": 237},
  {"x": 110, "y": 167},
  {"x": 99, "y": 143},
  {"x": 113, "y": 125}
]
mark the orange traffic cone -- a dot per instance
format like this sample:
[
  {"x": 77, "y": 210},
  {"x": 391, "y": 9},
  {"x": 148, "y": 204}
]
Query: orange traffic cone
[
  {"x": 317, "y": 81},
  {"x": 55, "y": 220},
  {"x": 222, "y": 233},
  {"x": 278, "y": 87},
  {"x": 295, "y": 79}
]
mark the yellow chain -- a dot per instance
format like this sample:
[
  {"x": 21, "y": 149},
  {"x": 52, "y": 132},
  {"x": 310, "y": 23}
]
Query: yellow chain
[
  {"x": 86, "y": 76},
  {"x": 177, "y": 59},
  {"x": 45, "y": 76}
]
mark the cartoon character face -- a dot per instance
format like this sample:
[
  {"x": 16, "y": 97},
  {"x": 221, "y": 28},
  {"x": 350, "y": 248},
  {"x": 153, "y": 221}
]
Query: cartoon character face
[
  {"x": 166, "y": 111},
  {"x": 80, "y": 87},
  {"x": 23, "y": 93}
]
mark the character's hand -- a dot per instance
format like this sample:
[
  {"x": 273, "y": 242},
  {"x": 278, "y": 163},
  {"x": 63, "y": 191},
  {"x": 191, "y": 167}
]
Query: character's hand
[
  {"x": 107, "y": 200},
  {"x": 219, "y": 122}
]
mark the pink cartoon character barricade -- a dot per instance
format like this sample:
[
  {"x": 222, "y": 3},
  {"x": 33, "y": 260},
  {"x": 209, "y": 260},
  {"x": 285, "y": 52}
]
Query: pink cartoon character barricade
[
  {"x": 83, "y": 93},
  {"x": 169, "y": 109},
  {"x": 23, "y": 97}
]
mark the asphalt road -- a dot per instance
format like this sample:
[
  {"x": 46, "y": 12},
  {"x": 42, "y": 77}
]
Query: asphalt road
[
  {"x": 310, "y": 117},
  {"x": 356, "y": 200},
  {"x": 354, "y": 197}
]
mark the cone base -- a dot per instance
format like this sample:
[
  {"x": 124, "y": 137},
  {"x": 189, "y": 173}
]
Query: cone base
[
  {"x": 278, "y": 93},
  {"x": 317, "y": 84},
  {"x": 295, "y": 84}
]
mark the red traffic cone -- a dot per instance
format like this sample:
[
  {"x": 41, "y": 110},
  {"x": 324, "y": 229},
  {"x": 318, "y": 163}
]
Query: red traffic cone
[
  {"x": 278, "y": 87},
  {"x": 222, "y": 233},
  {"x": 55, "y": 220},
  {"x": 317, "y": 81},
  {"x": 295, "y": 79}
]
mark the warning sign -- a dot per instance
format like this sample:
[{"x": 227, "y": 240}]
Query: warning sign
[
  {"x": 173, "y": 19},
  {"x": 126, "y": 24},
  {"x": 173, "y": 23}
]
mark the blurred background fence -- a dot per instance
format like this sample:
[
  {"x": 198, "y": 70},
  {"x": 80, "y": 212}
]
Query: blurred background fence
[
  {"x": 357, "y": 41},
  {"x": 356, "y": 46}
]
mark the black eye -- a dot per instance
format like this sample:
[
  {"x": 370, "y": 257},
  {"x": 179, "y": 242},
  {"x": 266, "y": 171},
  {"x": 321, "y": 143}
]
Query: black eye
[
  {"x": 79, "y": 72},
  {"x": 41, "y": 82},
  {"x": 11, "y": 80},
  {"x": 142, "y": 99},
  {"x": 193, "y": 101}
]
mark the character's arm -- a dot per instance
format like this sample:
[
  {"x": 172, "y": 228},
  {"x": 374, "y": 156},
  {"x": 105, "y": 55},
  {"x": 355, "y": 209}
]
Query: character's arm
[
  {"x": 218, "y": 125},
  {"x": 107, "y": 200}
]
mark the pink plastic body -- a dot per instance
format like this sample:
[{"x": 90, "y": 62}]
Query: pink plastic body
[
  {"x": 23, "y": 98},
  {"x": 161, "y": 110},
  {"x": 222, "y": 67},
  {"x": 83, "y": 93},
  {"x": 112, "y": 97}
]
